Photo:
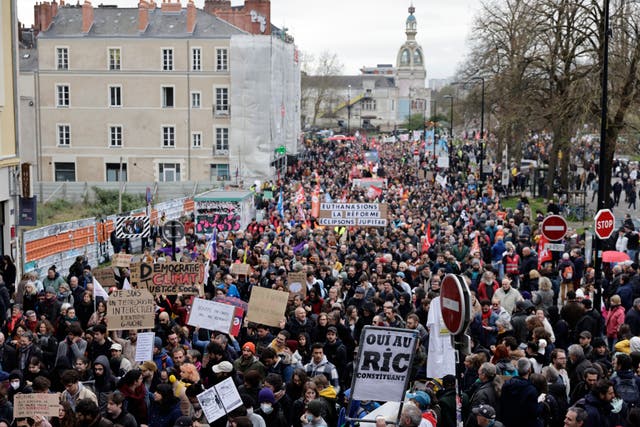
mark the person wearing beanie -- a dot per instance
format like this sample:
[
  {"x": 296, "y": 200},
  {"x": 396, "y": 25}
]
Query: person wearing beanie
[
  {"x": 160, "y": 355},
  {"x": 248, "y": 361},
  {"x": 269, "y": 410}
]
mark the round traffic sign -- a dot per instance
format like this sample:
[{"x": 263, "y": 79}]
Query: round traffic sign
[
  {"x": 173, "y": 230},
  {"x": 455, "y": 304},
  {"x": 554, "y": 227},
  {"x": 604, "y": 223}
]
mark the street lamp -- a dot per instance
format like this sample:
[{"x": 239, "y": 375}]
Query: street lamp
[
  {"x": 450, "y": 127},
  {"x": 349, "y": 110},
  {"x": 435, "y": 121}
]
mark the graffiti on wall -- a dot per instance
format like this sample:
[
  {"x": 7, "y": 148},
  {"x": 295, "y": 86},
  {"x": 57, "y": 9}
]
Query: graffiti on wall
[{"x": 225, "y": 216}]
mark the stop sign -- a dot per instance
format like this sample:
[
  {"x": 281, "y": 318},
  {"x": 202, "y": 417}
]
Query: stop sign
[
  {"x": 455, "y": 304},
  {"x": 554, "y": 227},
  {"x": 605, "y": 223}
]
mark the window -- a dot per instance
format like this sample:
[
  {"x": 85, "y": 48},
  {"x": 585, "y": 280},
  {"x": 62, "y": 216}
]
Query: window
[
  {"x": 222, "y": 62},
  {"x": 222, "y": 140},
  {"x": 64, "y": 135},
  {"x": 196, "y": 63},
  {"x": 167, "y": 59},
  {"x": 167, "y": 97},
  {"x": 196, "y": 139},
  {"x": 195, "y": 99},
  {"x": 168, "y": 136},
  {"x": 114, "y": 58},
  {"x": 369, "y": 105},
  {"x": 219, "y": 172},
  {"x": 222, "y": 100},
  {"x": 62, "y": 95},
  {"x": 64, "y": 172},
  {"x": 115, "y": 136},
  {"x": 169, "y": 172},
  {"x": 113, "y": 172},
  {"x": 115, "y": 96},
  {"x": 62, "y": 58}
]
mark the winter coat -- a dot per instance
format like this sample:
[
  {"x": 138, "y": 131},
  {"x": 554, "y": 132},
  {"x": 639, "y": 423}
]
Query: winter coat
[
  {"x": 615, "y": 318},
  {"x": 519, "y": 404}
]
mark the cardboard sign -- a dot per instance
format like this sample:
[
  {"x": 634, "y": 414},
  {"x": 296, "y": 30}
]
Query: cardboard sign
[
  {"x": 130, "y": 309},
  {"x": 28, "y": 405},
  {"x": 297, "y": 282},
  {"x": 353, "y": 214},
  {"x": 267, "y": 306},
  {"x": 241, "y": 269},
  {"x": 121, "y": 260},
  {"x": 211, "y": 315},
  {"x": 105, "y": 276},
  {"x": 144, "y": 346},
  {"x": 383, "y": 366},
  {"x": 168, "y": 278}
]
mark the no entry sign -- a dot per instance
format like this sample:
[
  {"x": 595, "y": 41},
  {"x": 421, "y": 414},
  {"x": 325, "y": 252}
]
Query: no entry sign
[
  {"x": 604, "y": 223},
  {"x": 455, "y": 304},
  {"x": 554, "y": 227}
]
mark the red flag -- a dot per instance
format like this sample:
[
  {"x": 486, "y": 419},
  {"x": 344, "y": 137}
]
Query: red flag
[
  {"x": 315, "y": 202},
  {"x": 544, "y": 254},
  {"x": 429, "y": 234},
  {"x": 300, "y": 197},
  {"x": 374, "y": 192},
  {"x": 475, "y": 246}
]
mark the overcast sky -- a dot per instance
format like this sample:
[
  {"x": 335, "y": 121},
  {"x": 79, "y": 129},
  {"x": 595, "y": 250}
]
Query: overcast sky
[{"x": 360, "y": 32}]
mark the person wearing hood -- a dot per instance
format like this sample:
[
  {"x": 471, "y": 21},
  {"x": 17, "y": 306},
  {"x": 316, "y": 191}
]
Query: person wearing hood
[
  {"x": 74, "y": 391},
  {"x": 597, "y": 403},
  {"x": 17, "y": 384},
  {"x": 625, "y": 383},
  {"x": 64, "y": 294},
  {"x": 519, "y": 399},
  {"x": 103, "y": 381},
  {"x": 160, "y": 355},
  {"x": 328, "y": 394},
  {"x": 117, "y": 413},
  {"x": 135, "y": 394},
  {"x": 269, "y": 409}
]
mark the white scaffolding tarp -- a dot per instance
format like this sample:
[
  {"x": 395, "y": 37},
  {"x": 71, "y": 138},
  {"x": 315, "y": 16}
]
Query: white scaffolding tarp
[{"x": 265, "y": 103}]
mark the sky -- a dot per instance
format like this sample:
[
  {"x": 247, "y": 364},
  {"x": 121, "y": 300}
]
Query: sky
[{"x": 360, "y": 32}]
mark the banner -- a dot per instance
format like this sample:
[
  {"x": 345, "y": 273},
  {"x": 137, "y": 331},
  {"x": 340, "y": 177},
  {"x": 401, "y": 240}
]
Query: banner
[
  {"x": 267, "y": 306},
  {"x": 168, "y": 278},
  {"x": 383, "y": 366},
  {"x": 211, "y": 315},
  {"x": 28, "y": 211},
  {"x": 132, "y": 226},
  {"x": 353, "y": 214},
  {"x": 130, "y": 309},
  {"x": 28, "y": 405}
]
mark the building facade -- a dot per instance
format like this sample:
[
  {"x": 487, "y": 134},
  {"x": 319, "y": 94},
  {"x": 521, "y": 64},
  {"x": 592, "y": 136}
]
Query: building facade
[
  {"x": 9, "y": 160},
  {"x": 147, "y": 94},
  {"x": 381, "y": 97}
]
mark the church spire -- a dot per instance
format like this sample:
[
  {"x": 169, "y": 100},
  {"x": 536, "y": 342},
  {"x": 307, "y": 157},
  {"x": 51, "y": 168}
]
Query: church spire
[{"x": 412, "y": 24}]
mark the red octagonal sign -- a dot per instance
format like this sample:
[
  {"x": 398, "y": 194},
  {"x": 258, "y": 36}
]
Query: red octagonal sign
[
  {"x": 554, "y": 227},
  {"x": 455, "y": 305},
  {"x": 605, "y": 223}
]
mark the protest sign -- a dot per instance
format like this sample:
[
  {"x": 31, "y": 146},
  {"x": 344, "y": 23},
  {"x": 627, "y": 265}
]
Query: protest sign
[
  {"x": 121, "y": 260},
  {"x": 297, "y": 282},
  {"x": 130, "y": 309},
  {"x": 144, "y": 346},
  {"x": 240, "y": 269},
  {"x": 383, "y": 364},
  {"x": 105, "y": 276},
  {"x": 240, "y": 307},
  {"x": 353, "y": 214},
  {"x": 219, "y": 400},
  {"x": 211, "y": 315},
  {"x": 267, "y": 306},
  {"x": 168, "y": 278},
  {"x": 28, "y": 405}
]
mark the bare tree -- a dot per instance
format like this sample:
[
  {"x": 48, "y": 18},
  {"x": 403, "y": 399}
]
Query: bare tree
[{"x": 319, "y": 83}]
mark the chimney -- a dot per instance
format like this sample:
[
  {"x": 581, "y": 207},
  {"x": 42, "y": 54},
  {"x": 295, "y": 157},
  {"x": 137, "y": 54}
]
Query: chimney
[
  {"x": 42, "y": 17},
  {"x": 143, "y": 16},
  {"x": 170, "y": 6},
  {"x": 54, "y": 9},
  {"x": 87, "y": 16},
  {"x": 191, "y": 17}
]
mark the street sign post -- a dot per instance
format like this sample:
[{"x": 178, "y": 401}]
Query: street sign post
[
  {"x": 604, "y": 223},
  {"x": 172, "y": 231},
  {"x": 554, "y": 227},
  {"x": 455, "y": 304}
]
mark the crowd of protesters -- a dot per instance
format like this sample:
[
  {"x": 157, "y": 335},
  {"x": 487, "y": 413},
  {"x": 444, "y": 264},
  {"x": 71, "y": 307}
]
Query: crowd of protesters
[{"x": 542, "y": 355}]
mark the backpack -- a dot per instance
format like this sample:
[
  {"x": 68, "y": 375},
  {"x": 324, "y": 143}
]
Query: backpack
[
  {"x": 567, "y": 273},
  {"x": 627, "y": 389}
]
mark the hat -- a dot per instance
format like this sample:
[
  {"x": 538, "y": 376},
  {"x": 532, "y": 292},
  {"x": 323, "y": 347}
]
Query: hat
[
  {"x": 486, "y": 411},
  {"x": 360, "y": 290},
  {"x": 421, "y": 397},
  {"x": 598, "y": 342},
  {"x": 524, "y": 305},
  {"x": 251, "y": 346},
  {"x": 400, "y": 274},
  {"x": 157, "y": 342},
  {"x": 222, "y": 367},
  {"x": 116, "y": 346},
  {"x": 579, "y": 293},
  {"x": 266, "y": 395},
  {"x": 332, "y": 329},
  {"x": 449, "y": 380},
  {"x": 183, "y": 422},
  {"x": 585, "y": 334},
  {"x": 50, "y": 290}
]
